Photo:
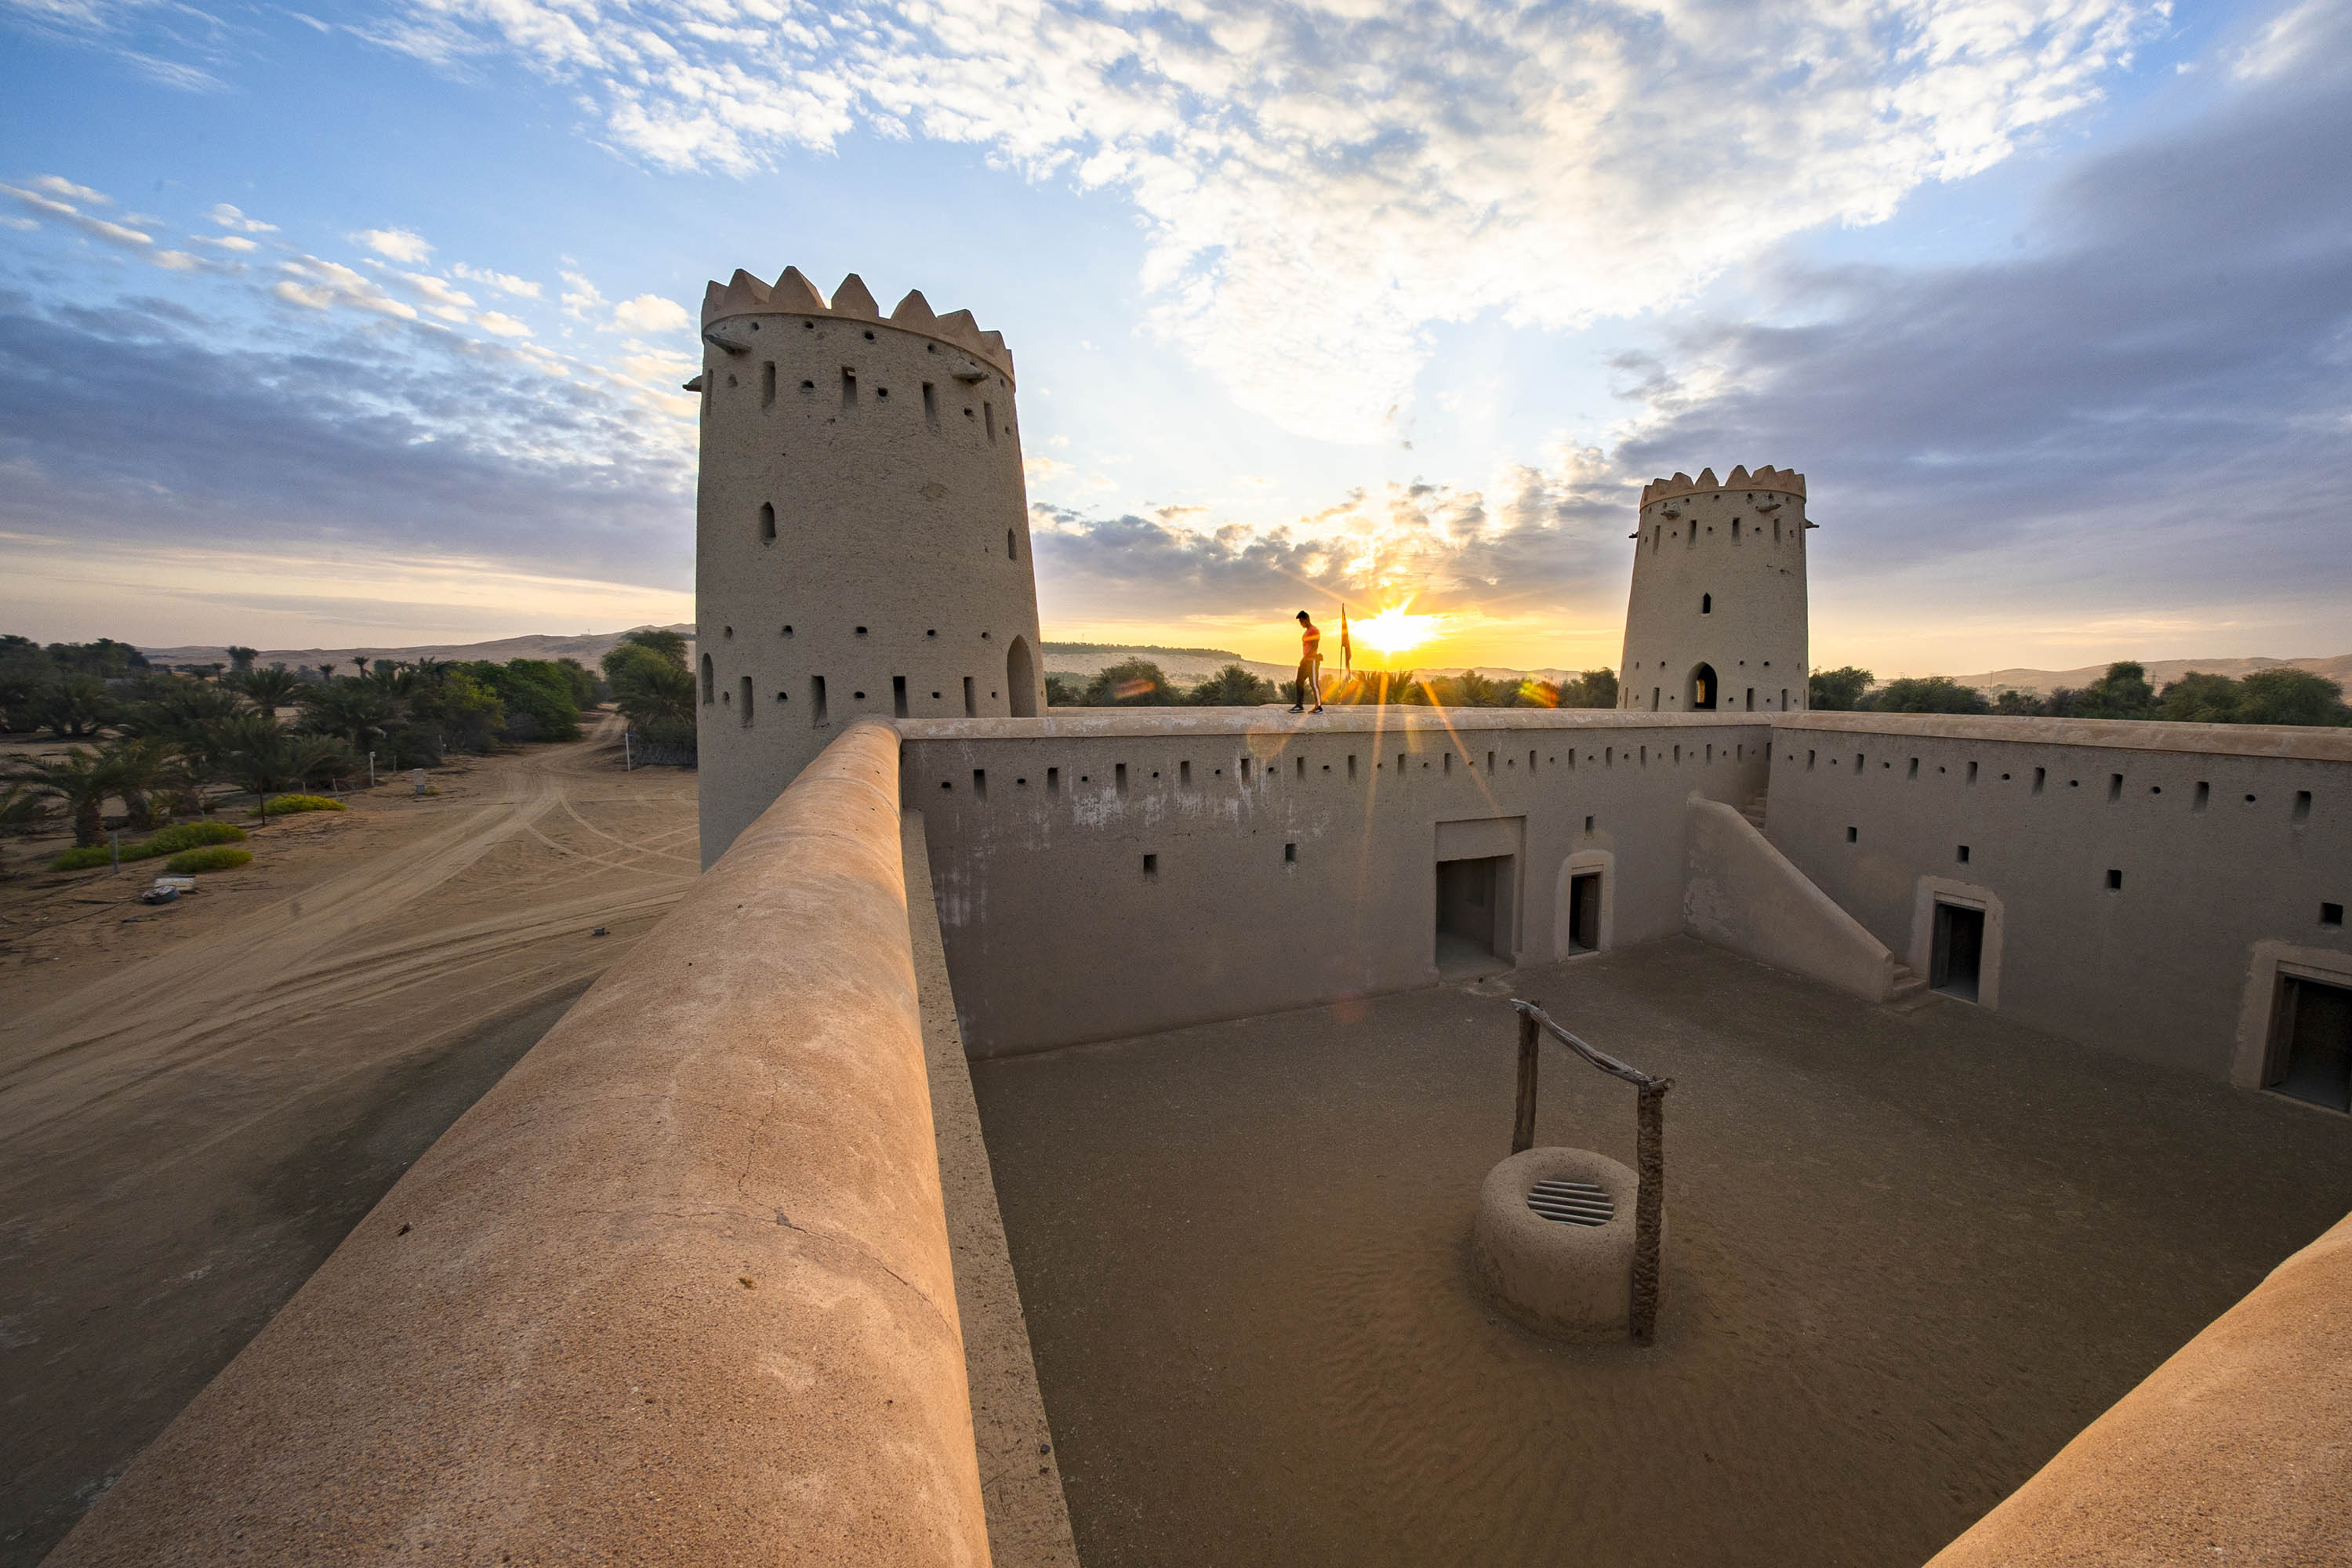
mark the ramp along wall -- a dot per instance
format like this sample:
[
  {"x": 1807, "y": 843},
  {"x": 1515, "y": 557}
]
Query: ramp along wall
[
  {"x": 1106, "y": 876},
  {"x": 862, "y": 532},
  {"x": 2160, "y": 891}
]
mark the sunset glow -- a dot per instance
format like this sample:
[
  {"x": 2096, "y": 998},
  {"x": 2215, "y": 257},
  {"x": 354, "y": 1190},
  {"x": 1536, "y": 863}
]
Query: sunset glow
[{"x": 1393, "y": 630}]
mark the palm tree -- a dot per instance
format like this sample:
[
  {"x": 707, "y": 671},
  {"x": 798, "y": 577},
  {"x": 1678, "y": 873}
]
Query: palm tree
[
  {"x": 76, "y": 706},
  {"x": 326, "y": 672},
  {"x": 20, "y": 807},
  {"x": 144, "y": 767},
  {"x": 271, "y": 689},
  {"x": 241, "y": 659},
  {"x": 360, "y": 662},
  {"x": 313, "y": 758},
  {"x": 358, "y": 710},
  {"x": 258, "y": 754},
  {"x": 80, "y": 781}
]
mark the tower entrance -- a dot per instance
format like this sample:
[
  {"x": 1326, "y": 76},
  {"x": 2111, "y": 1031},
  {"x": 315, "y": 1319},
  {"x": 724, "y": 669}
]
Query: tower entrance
[{"x": 1702, "y": 689}]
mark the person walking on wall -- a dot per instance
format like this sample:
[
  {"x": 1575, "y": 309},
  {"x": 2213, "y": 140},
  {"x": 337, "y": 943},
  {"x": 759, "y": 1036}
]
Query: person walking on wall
[{"x": 1311, "y": 661}]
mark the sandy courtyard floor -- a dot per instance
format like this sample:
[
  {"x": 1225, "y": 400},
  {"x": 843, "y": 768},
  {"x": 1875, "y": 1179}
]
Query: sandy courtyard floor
[
  {"x": 1909, "y": 1256},
  {"x": 195, "y": 1109}
]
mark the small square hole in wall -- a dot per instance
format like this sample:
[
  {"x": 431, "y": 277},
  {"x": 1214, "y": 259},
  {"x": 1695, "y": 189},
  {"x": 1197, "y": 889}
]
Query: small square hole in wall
[
  {"x": 1588, "y": 825},
  {"x": 2115, "y": 882},
  {"x": 1964, "y": 854},
  {"x": 2331, "y": 915},
  {"x": 1853, "y": 835},
  {"x": 1151, "y": 865},
  {"x": 1290, "y": 854}
]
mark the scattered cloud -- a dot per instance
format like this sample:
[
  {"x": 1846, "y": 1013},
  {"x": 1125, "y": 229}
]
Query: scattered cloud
[
  {"x": 228, "y": 216},
  {"x": 1318, "y": 184},
  {"x": 650, "y": 314},
  {"x": 581, "y": 298},
  {"x": 64, "y": 189},
  {"x": 398, "y": 244},
  {"x": 499, "y": 324},
  {"x": 504, "y": 282},
  {"x": 450, "y": 304},
  {"x": 322, "y": 285},
  {"x": 73, "y": 217}
]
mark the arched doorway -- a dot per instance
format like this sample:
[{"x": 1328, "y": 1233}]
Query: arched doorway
[
  {"x": 1702, "y": 689},
  {"x": 1021, "y": 678}
]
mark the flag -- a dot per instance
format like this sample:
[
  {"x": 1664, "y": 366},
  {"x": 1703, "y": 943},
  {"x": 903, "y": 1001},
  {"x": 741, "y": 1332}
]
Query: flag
[{"x": 1346, "y": 650}]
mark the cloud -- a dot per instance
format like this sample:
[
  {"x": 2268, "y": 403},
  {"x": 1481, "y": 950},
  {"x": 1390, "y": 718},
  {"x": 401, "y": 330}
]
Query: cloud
[
  {"x": 581, "y": 298},
  {"x": 1318, "y": 184},
  {"x": 499, "y": 324},
  {"x": 64, "y": 189},
  {"x": 398, "y": 244},
  {"x": 450, "y": 304},
  {"x": 322, "y": 285},
  {"x": 224, "y": 242},
  {"x": 228, "y": 216},
  {"x": 649, "y": 313},
  {"x": 504, "y": 282},
  {"x": 2131, "y": 418},
  {"x": 66, "y": 212},
  {"x": 318, "y": 436}
]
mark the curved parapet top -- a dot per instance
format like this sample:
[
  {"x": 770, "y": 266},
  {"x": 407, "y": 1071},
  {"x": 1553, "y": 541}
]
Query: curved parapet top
[
  {"x": 1786, "y": 481},
  {"x": 793, "y": 294}
]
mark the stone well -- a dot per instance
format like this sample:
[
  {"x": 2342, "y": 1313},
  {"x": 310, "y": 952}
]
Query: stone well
[{"x": 1562, "y": 1263}]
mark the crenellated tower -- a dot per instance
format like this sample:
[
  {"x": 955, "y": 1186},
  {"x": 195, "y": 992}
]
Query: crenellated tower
[
  {"x": 1715, "y": 621},
  {"x": 861, "y": 531}
]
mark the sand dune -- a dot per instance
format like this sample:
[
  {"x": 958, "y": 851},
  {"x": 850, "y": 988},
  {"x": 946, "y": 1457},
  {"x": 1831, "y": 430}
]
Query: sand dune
[{"x": 2160, "y": 670}]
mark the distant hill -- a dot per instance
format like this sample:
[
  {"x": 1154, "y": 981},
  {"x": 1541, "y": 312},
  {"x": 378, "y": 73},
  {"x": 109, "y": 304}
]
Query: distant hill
[
  {"x": 2041, "y": 682},
  {"x": 587, "y": 647}
]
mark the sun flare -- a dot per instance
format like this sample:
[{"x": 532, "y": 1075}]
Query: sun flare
[{"x": 1393, "y": 630}]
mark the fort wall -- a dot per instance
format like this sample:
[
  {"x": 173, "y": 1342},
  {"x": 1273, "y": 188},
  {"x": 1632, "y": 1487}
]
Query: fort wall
[
  {"x": 678, "y": 1288},
  {"x": 2143, "y": 884},
  {"x": 1114, "y": 874},
  {"x": 862, "y": 533}
]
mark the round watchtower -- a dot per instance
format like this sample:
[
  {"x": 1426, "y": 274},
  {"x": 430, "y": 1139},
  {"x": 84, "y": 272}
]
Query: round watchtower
[
  {"x": 1716, "y": 622},
  {"x": 861, "y": 531}
]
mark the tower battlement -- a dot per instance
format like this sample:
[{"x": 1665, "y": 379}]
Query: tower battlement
[
  {"x": 793, "y": 294},
  {"x": 1785, "y": 481}
]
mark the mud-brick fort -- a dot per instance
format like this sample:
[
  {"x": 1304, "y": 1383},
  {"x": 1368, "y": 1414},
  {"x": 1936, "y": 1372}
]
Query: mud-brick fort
[{"x": 717, "y": 1272}]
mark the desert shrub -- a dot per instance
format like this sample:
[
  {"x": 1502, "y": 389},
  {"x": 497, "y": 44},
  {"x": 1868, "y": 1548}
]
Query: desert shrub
[
  {"x": 212, "y": 857},
  {"x": 280, "y": 805},
  {"x": 193, "y": 836},
  {"x": 90, "y": 855}
]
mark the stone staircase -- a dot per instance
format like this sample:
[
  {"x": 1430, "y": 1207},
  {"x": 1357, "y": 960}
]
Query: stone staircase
[
  {"x": 1910, "y": 988},
  {"x": 1754, "y": 811}
]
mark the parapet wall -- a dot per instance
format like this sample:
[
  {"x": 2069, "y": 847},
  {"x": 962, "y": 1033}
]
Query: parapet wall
[
  {"x": 1117, "y": 873},
  {"x": 2144, "y": 885},
  {"x": 678, "y": 1288}
]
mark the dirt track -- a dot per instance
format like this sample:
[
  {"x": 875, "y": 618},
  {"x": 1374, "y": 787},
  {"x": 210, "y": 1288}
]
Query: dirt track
[{"x": 195, "y": 1109}]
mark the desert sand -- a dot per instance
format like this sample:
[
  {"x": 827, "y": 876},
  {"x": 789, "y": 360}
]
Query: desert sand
[{"x": 195, "y": 1108}]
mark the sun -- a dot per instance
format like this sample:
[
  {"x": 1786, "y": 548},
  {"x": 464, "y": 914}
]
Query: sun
[{"x": 1394, "y": 630}]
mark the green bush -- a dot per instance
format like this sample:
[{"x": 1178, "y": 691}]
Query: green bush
[
  {"x": 193, "y": 836},
  {"x": 90, "y": 855},
  {"x": 280, "y": 805},
  {"x": 212, "y": 857}
]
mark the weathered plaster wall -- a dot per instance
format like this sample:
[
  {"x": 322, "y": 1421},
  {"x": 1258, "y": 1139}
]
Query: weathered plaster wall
[
  {"x": 861, "y": 522},
  {"x": 1746, "y": 897},
  {"x": 678, "y": 1288},
  {"x": 1293, "y": 863},
  {"x": 2237, "y": 1449},
  {"x": 2228, "y": 839}
]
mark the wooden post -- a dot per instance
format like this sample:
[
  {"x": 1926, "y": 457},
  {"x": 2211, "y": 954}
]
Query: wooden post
[
  {"x": 1649, "y": 1205},
  {"x": 1523, "y": 1130}
]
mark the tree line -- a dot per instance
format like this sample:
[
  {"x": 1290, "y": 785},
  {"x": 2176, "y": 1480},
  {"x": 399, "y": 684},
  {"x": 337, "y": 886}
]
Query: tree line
[
  {"x": 2280, "y": 695},
  {"x": 1141, "y": 683},
  {"x": 162, "y": 738}
]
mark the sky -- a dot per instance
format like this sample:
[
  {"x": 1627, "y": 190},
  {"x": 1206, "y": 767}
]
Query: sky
[{"x": 366, "y": 325}]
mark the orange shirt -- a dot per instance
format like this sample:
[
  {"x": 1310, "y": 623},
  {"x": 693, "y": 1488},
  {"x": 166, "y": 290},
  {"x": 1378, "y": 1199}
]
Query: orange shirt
[{"x": 1311, "y": 643}]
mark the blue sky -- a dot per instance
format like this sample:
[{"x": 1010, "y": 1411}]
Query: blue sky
[{"x": 366, "y": 325}]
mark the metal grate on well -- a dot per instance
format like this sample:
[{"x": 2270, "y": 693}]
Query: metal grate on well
[{"x": 1571, "y": 1203}]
